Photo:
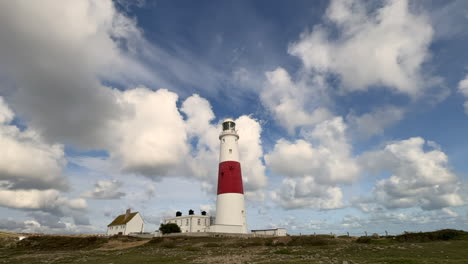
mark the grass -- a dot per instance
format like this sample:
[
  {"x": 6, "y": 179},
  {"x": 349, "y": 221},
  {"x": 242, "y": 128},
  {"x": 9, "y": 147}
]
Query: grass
[
  {"x": 283, "y": 251},
  {"x": 444, "y": 246}
]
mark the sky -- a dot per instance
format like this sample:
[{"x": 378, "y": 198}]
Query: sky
[{"x": 352, "y": 115}]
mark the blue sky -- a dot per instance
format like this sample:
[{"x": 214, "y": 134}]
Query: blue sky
[{"x": 352, "y": 114}]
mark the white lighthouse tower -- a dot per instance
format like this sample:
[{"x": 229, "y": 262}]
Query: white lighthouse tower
[{"x": 230, "y": 206}]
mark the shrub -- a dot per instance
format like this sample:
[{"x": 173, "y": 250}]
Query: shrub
[
  {"x": 364, "y": 240},
  {"x": 169, "y": 228},
  {"x": 445, "y": 234}
]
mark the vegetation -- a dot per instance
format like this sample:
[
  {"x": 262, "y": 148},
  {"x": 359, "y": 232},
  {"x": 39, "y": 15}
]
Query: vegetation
[
  {"x": 445, "y": 234},
  {"x": 444, "y": 246},
  {"x": 169, "y": 228}
]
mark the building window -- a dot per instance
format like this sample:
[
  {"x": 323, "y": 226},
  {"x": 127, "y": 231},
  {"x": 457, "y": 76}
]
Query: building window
[
  {"x": 230, "y": 151},
  {"x": 199, "y": 221},
  {"x": 206, "y": 220},
  {"x": 186, "y": 223}
]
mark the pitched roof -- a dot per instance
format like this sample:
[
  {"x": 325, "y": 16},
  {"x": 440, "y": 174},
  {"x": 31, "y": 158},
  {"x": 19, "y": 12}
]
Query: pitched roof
[{"x": 121, "y": 220}]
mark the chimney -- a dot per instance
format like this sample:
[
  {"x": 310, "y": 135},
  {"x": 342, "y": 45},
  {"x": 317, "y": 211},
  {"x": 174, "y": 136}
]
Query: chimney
[{"x": 127, "y": 213}]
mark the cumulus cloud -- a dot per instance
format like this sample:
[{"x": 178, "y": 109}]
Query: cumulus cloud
[
  {"x": 148, "y": 140},
  {"x": 393, "y": 222},
  {"x": 375, "y": 122},
  {"x": 45, "y": 224},
  {"x": 56, "y": 66},
  {"x": 419, "y": 177},
  {"x": 294, "y": 104},
  {"x": 31, "y": 172},
  {"x": 26, "y": 161},
  {"x": 463, "y": 88},
  {"x": 46, "y": 200},
  {"x": 105, "y": 190},
  {"x": 251, "y": 152},
  {"x": 65, "y": 100},
  {"x": 313, "y": 172},
  {"x": 387, "y": 46},
  {"x": 305, "y": 193},
  {"x": 329, "y": 162}
]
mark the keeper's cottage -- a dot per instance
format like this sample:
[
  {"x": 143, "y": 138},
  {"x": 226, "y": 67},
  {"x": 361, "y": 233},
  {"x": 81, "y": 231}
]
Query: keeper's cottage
[{"x": 125, "y": 224}]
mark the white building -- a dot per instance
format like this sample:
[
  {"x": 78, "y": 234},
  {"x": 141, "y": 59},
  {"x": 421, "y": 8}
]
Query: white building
[
  {"x": 270, "y": 232},
  {"x": 191, "y": 223},
  {"x": 126, "y": 223}
]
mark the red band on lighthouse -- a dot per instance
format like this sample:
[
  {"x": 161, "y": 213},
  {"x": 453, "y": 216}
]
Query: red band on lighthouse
[{"x": 230, "y": 178}]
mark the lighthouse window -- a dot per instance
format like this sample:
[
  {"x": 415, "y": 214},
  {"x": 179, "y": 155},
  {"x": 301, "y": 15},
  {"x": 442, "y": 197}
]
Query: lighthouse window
[
  {"x": 230, "y": 151},
  {"x": 226, "y": 126}
]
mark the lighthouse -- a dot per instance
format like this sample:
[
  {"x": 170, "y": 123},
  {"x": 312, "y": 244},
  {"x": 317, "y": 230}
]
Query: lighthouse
[{"x": 230, "y": 205}]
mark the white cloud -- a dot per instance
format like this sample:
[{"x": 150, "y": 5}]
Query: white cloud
[
  {"x": 6, "y": 115},
  {"x": 157, "y": 142},
  {"x": 251, "y": 152},
  {"x": 312, "y": 172},
  {"x": 44, "y": 225},
  {"x": 394, "y": 222},
  {"x": 26, "y": 161},
  {"x": 46, "y": 200},
  {"x": 56, "y": 58},
  {"x": 387, "y": 46},
  {"x": 463, "y": 88},
  {"x": 150, "y": 138},
  {"x": 294, "y": 104},
  {"x": 419, "y": 177},
  {"x": 105, "y": 190},
  {"x": 31, "y": 171},
  {"x": 375, "y": 122},
  {"x": 329, "y": 162},
  {"x": 305, "y": 193}
]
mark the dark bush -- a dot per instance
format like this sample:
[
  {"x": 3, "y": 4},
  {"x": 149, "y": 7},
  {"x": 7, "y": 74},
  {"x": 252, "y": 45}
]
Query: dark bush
[
  {"x": 364, "y": 240},
  {"x": 445, "y": 234},
  {"x": 169, "y": 228}
]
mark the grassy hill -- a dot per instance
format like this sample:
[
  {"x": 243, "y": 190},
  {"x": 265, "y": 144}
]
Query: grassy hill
[{"x": 444, "y": 246}]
